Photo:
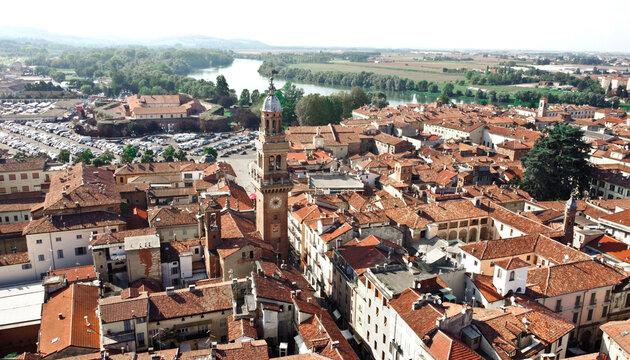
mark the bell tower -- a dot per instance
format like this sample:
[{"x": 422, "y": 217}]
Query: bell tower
[{"x": 271, "y": 178}]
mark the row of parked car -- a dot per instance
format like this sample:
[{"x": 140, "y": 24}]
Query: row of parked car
[
  {"x": 22, "y": 146},
  {"x": 245, "y": 142},
  {"x": 34, "y": 131}
]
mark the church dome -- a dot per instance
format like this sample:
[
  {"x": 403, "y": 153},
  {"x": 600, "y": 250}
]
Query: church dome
[{"x": 271, "y": 104}]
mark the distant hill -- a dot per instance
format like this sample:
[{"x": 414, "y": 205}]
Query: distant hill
[{"x": 192, "y": 41}]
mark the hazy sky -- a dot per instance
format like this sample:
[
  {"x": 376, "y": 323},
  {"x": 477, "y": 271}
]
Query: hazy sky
[{"x": 486, "y": 24}]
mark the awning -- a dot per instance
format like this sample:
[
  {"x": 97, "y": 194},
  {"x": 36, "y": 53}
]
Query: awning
[{"x": 347, "y": 334}]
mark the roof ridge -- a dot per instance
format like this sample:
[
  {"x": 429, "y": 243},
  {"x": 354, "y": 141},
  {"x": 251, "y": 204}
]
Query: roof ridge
[{"x": 71, "y": 313}]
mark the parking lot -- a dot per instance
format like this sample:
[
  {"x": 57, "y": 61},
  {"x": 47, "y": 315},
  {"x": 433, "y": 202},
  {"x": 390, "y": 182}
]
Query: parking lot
[{"x": 33, "y": 137}]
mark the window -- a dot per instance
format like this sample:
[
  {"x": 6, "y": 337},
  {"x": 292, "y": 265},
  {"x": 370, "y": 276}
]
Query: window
[
  {"x": 511, "y": 275},
  {"x": 558, "y": 305},
  {"x": 605, "y": 311},
  {"x": 607, "y": 296},
  {"x": 223, "y": 322},
  {"x": 40, "y": 258},
  {"x": 251, "y": 254},
  {"x": 80, "y": 251},
  {"x": 369, "y": 319},
  {"x": 25, "y": 188},
  {"x": 35, "y": 175},
  {"x": 589, "y": 317},
  {"x": 593, "y": 299},
  {"x": 384, "y": 339},
  {"x": 243, "y": 255},
  {"x": 575, "y": 318},
  {"x": 499, "y": 273},
  {"x": 79, "y": 236},
  {"x": 59, "y": 254},
  {"x": 1, "y": 177},
  {"x": 27, "y": 266},
  {"x": 141, "y": 320},
  {"x": 12, "y": 177},
  {"x": 38, "y": 241},
  {"x": 58, "y": 239},
  {"x": 25, "y": 217},
  {"x": 24, "y": 176},
  {"x": 174, "y": 270},
  {"x": 15, "y": 218},
  {"x": 577, "y": 300},
  {"x": 140, "y": 339}
]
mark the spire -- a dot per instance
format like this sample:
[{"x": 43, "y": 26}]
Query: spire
[{"x": 272, "y": 89}]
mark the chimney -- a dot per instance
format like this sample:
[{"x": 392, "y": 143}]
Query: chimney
[
  {"x": 191, "y": 287},
  {"x": 170, "y": 290},
  {"x": 60, "y": 315},
  {"x": 309, "y": 300},
  {"x": 334, "y": 344}
]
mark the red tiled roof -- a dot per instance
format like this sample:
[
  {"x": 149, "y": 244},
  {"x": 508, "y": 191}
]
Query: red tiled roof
[
  {"x": 362, "y": 254},
  {"x": 119, "y": 308},
  {"x": 568, "y": 278},
  {"x": 421, "y": 321},
  {"x": 511, "y": 263},
  {"x": 486, "y": 288},
  {"x": 240, "y": 327},
  {"x": 81, "y": 186},
  {"x": 203, "y": 299},
  {"x": 446, "y": 347},
  {"x": 77, "y": 273},
  {"x": 74, "y": 303}
]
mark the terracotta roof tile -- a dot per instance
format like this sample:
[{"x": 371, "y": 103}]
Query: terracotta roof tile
[
  {"x": 74, "y": 303},
  {"x": 568, "y": 278},
  {"x": 203, "y": 299}
]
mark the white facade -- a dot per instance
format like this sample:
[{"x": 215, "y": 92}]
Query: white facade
[
  {"x": 62, "y": 249},
  {"x": 509, "y": 280}
]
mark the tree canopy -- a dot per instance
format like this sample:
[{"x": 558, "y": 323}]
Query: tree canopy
[
  {"x": 557, "y": 167},
  {"x": 128, "y": 154}
]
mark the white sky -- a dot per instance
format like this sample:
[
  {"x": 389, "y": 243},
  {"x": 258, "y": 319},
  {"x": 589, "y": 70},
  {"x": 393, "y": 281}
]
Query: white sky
[{"x": 482, "y": 24}]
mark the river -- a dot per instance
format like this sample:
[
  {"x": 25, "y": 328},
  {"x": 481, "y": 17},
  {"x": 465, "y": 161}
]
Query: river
[{"x": 243, "y": 74}]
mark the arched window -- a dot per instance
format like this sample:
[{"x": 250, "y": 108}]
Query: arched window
[
  {"x": 271, "y": 159},
  {"x": 267, "y": 125},
  {"x": 278, "y": 162},
  {"x": 511, "y": 275}
]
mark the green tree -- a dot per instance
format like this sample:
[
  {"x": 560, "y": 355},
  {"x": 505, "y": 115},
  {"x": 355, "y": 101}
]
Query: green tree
[
  {"x": 128, "y": 154},
  {"x": 359, "y": 97},
  {"x": 84, "y": 156},
  {"x": 168, "y": 154},
  {"x": 290, "y": 95},
  {"x": 210, "y": 151},
  {"x": 58, "y": 76},
  {"x": 444, "y": 98},
  {"x": 433, "y": 88},
  {"x": 222, "y": 88},
  {"x": 180, "y": 155},
  {"x": 148, "y": 156},
  {"x": 557, "y": 167},
  {"x": 64, "y": 156},
  {"x": 379, "y": 100},
  {"x": 244, "y": 99},
  {"x": 255, "y": 96},
  {"x": 86, "y": 89},
  {"x": 104, "y": 159},
  {"x": 448, "y": 89}
]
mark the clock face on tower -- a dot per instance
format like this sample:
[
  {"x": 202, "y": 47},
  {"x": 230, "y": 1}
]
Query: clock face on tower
[{"x": 275, "y": 202}]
